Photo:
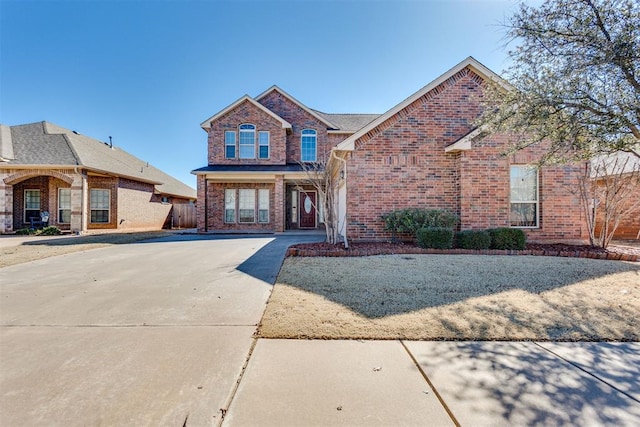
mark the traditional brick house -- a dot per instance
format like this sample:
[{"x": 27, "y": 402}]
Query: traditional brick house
[
  {"x": 82, "y": 183},
  {"x": 424, "y": 152}
]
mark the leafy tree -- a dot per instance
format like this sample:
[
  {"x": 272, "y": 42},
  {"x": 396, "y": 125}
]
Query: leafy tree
[{"x": 576, "y": 78}]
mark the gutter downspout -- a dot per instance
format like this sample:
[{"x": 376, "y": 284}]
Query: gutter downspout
[{"x": 344, "y": 169}]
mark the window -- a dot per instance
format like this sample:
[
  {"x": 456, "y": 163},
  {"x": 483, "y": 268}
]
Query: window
[
  {"x": 263, "y": 144},
  {"x": 308, "y": 145},
  {"x": 247, "y": 141},
  {"x": 64, "y": 205},
  {"x": 247, "y": 206},
  {"x": 524, "y": 196},
  {"x": 230, "y": 144},
  {"x": 99, "y": 204},
  {"x": 245, "y": 202},
  {"x": 31, "y": 205},
  {"x": 263, "y": 206},
  {"x": 229, "y": 206}
]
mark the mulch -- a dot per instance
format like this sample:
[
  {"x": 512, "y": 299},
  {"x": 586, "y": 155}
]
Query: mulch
[{"x": 613, "y": 252}]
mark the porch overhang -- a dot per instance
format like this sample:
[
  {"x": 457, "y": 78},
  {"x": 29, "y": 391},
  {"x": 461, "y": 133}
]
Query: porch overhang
[{"x": 252, "y": 173}]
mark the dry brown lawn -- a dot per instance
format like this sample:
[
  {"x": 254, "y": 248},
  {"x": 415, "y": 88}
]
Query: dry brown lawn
[
  {"x": 35, "y": 248},
  {"x": 455, "y": 297}
]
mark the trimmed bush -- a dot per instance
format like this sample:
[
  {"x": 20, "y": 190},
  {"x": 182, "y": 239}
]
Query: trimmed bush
[
  {"x": 473, "y": 239},
  {"x": 435, "y": 237},
  {"x": 25, "y": 231},
  {"x": 507, "y": 238},
  {"x": 50, "y": 231},
  {"x": 47, "y": 231},
  {"x": 411, "y": 220}
]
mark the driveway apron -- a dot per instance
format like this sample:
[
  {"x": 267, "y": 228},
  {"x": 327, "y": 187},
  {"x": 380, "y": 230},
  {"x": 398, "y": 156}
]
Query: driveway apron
[{"x": 153, "y": 333}]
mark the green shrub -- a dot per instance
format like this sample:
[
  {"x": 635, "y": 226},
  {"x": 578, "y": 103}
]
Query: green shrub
[
  {"x": 411, "y": 220},
  {"x": 25, "y": 231},
  {"x": 435, "y": 237},
  {"x": 49, "y": 231},
  {"x": 507, "y": 238},
  {"x": 473, "y": 239}
]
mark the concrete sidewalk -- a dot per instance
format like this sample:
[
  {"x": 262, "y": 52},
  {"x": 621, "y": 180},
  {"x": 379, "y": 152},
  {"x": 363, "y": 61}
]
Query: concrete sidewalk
[{"x": 349, "y": 383}]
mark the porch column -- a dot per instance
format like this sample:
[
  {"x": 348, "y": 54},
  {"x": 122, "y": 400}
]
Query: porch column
[
  {"x": 279, "y": 207},
  {"x": 6, "y": 206},
  {"x": 79, "y": 203}
]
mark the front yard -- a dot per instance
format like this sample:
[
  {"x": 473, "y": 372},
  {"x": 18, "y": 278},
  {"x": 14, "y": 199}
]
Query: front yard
[{"x": 455, "y": 297}]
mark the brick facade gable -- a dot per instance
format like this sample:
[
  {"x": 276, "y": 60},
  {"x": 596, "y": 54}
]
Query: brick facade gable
[{"x": 246, "y": 112}]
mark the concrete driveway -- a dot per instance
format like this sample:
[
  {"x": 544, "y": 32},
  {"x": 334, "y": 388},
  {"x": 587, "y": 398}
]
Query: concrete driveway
[{"x": 153, "y": 333}]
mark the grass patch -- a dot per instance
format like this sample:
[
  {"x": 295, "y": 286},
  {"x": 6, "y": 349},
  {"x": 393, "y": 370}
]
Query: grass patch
[{"x": 455, "y": 297}]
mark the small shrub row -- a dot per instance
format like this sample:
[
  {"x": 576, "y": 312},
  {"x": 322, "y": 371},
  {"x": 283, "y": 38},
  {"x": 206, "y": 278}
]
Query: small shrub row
[
  {"x": 496, "y": 238},
  {"x": 47, "y": 231}
]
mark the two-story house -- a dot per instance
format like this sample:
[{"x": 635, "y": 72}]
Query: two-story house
[
  {"x": 256, "y": 148},
  {"x": 424, "y": 152}
]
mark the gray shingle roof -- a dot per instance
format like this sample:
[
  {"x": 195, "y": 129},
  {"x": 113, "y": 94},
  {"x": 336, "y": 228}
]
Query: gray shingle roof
[
  {"x": 348, "y": 122},
  {"x": 45, "y": 143}
]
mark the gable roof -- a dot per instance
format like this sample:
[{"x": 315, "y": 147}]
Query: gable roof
[
  {"x": 206, "y": 125},
  {"x": 47, "y": 144},
  {"x": 349, "y": 143},
  {"x": 314, "y": 113}
]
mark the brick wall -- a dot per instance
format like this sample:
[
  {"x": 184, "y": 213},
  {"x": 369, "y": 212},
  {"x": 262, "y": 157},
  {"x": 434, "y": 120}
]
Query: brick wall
[
  {"x": 629, "y": 226},
  {"x": 299, "y": 120},
  {"x": 139, "y": 208},
  {"x": 246, "y": 112},
  {"x": 402, "y": 163}
]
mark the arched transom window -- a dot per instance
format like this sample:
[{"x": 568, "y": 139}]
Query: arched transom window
[{"x": 247, "y": 141}]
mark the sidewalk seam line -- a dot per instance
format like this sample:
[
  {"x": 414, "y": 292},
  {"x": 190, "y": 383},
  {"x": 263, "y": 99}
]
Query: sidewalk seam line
[
  {"x": 433, "y": 388},
  {"x": 234, "y": 390},
  {"x": 587, "y": 372}
]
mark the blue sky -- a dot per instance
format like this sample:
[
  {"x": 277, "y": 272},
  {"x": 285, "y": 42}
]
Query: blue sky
[{"x": 148, "y": 73}]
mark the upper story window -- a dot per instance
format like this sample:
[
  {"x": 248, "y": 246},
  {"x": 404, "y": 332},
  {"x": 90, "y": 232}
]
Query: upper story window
[
  {"x": 308, "y": 145},
  {"x": 247, "y": 144},
  {"x": 230, "y": 144},
  {"x": 524, "y": 196},
  {"x": 263, "y": 144}
]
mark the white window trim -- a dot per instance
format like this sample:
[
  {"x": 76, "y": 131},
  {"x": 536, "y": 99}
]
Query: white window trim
[
  {"x": 239, "y": 218},
  {"x": 235, "y": 206},
  {"x": 240, "y": 145},
  {"x": 60, "y": 208},
  {"x": 268, "y": 203},
  {"x": 537, "y": 201},
  {"x": 268, "y": 145},
  {"x": 235, "y": 148},
  {"x": 24, "y": 212},
  {"x": 316, "y": 151},
  {"x": 108, "y": 209}
]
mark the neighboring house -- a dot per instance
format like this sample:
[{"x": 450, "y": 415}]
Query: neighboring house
[
  {"x": 618, "y": 175},
  {"x": 425, "y": 152},
  {"x": 83, "y": 184}
]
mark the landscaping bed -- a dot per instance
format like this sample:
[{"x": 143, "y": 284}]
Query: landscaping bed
[{"x": 624, "y": 251}]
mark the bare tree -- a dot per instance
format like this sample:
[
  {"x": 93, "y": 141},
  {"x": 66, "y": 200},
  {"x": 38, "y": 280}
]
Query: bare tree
[
  {"x": 325, "y": 176},
  {"x": 609, "y": 193}
]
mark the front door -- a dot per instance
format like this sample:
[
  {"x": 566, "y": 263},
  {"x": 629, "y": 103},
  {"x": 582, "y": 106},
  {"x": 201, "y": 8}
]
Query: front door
[{"x": 307, "y": 208}]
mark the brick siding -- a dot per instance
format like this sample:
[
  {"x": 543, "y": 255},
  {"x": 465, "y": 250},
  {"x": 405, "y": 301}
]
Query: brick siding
[
  {"x": 403, "y": 163},
  {"x": 299, "y": 120},
  {"x": 246, "y": 112}
]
